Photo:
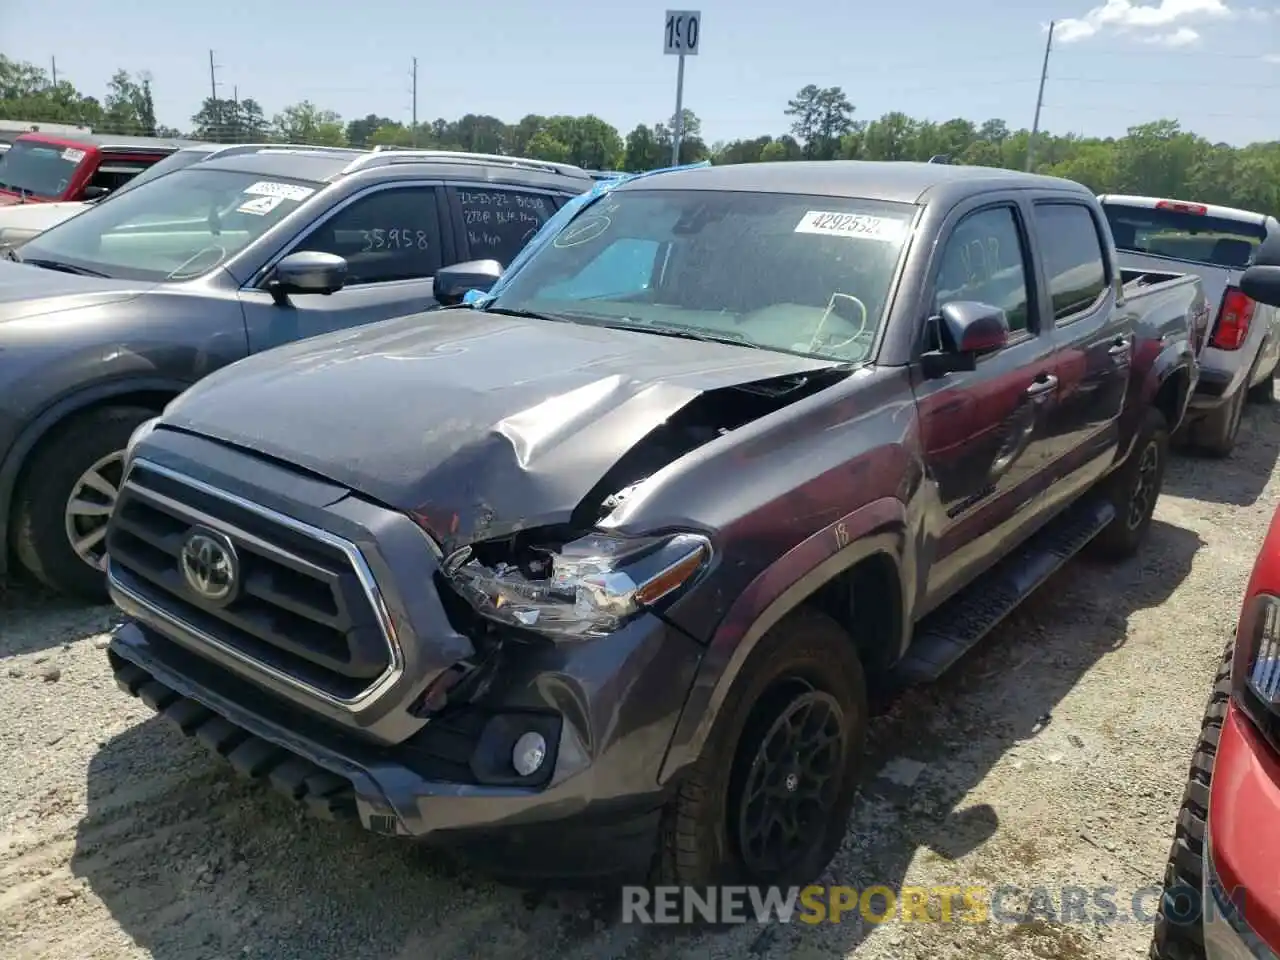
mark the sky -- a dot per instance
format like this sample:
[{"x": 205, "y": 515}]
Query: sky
[{"x": 1214, "y": 65}]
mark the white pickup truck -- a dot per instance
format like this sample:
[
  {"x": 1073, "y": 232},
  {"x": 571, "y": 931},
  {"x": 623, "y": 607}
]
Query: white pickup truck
[{"x": 1217, "y": 244}]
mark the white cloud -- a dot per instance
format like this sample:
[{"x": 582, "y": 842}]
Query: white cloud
[
  {"x": 1124, "y": 16},
  {"x": 1182, "y": 37}
]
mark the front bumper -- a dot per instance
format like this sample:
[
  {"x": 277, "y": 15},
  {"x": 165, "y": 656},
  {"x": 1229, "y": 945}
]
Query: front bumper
[
  {"x": 595, "y": 814},
  {"x": 1241, "y": 895}
]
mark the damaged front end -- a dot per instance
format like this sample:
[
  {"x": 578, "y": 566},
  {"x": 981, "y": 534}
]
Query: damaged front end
[{"x": 576, "y": 581}]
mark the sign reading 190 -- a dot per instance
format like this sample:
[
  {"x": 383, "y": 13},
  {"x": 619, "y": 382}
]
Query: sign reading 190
[{"x": 682, "y": 32}]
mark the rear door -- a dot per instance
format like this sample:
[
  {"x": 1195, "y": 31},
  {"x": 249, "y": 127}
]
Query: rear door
[
  {"x": 393, "y": 236},
  {"x": 1095, "y": 342},
  {"x": 495, "y": 221},
  {"x": 985, "y": 432}
]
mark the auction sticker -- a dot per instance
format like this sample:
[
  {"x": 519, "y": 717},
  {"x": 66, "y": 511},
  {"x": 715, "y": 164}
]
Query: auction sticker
[
  {"x": 860, "y": 225},
  {"x": 272, "y": 188},
  {"x": 259, "y": 206},
  {"x": 71, "y": 155}
]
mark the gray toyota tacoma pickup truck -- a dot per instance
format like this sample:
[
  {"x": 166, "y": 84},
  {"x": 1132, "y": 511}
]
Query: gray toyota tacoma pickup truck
[{"x": 597, "y": 578}]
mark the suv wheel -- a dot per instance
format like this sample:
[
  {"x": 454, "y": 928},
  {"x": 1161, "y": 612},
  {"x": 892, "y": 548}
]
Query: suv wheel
[
  {"x": 1184, "y": 872},
  {"x": 66, "y": 498},
  {"x": 768, "y": 801},
  {"x": 1134, "y": 488}
]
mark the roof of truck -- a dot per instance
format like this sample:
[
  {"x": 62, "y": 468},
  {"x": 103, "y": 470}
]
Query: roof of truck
[{"x": 896, "y": 181}]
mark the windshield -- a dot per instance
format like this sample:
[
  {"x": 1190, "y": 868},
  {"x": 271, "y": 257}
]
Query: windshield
[
  {"x": 1199, "y": 238},
  {"x": 174, "y": 228},
  {"x": 797, "y": 274},
  {"x": 44, "y": 170}
]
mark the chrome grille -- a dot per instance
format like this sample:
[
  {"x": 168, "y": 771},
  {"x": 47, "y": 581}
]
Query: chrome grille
[{"x": 306, "y": 609}]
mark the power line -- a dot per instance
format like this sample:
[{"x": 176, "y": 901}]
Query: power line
[{"x": 1165, "y": 83}]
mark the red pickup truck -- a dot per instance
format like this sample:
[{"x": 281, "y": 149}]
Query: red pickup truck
[{"x": 45, "y": 167}]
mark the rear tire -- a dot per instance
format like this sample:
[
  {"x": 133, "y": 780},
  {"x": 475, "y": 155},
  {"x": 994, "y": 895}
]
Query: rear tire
[
  {"x": 81, "y": 461},
  {"x": 1184, "y": 871},
  {"x": 805, "y": 672},
  {"x": 1134, "y": 488},
  {"x": 1264, "y": 392},
  {"x": 1215, "y": 435}
]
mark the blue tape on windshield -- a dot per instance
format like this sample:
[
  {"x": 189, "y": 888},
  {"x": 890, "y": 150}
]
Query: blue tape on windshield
[{"x": 558, "y": 222}]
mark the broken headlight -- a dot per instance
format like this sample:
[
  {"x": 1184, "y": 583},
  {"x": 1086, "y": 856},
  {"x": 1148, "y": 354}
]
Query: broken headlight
[{"x": 587, "y": 588}]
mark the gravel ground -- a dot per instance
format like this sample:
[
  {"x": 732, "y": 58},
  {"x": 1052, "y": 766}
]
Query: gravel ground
[{"x": 1053, "y": 757}]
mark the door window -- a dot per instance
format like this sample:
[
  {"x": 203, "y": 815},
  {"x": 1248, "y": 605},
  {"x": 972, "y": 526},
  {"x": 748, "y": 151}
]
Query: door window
[
  {"x": 983, "y": 260},
  {"x": 500, "y": 222},
  {"x": 1074, "y": 260},
  {"x": 385, "y": 235}
]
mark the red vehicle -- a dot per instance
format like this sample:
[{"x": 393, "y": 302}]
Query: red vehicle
[
  {"x": 46, "y": 167},
  {"x": 1222, "y": 890}
]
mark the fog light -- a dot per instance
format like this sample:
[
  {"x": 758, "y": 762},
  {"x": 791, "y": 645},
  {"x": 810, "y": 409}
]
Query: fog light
[{"x": 528, "y": 753}]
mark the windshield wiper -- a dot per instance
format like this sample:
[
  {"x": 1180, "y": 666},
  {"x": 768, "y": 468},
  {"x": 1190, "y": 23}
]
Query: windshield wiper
[
  {"x": 687, "y": 333},
  {"x": 62, "y": 267},
  {"x": 523, "y": 314}
]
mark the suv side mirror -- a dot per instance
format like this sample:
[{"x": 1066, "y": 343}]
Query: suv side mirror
[
  {"x": 307, "y": 271},
  {"x": 453, "y": 283},
  {"x": 94, "y": 192},
  {"x": 967, "y": 329},
  {"x": 1261, "y": 282}
]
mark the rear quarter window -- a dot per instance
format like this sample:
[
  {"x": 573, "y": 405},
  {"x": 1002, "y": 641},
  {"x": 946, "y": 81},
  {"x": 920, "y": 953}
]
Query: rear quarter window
[
  {"x": 1198, "y": 238},
  {"x": 1075, "y": 262}
]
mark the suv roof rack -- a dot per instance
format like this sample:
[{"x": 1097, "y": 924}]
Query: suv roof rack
[
  {"x": 388, "y": 156},
  {"x": 238, "y": 148}
]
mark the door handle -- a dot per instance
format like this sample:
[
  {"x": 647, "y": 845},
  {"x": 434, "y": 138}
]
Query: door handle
[
  {"x": 1042, "y": 385},
  {"x": 1120, "y": 348}
]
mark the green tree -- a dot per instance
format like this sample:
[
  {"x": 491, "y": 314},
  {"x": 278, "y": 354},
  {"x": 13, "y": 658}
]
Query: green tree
[
  {"x": 822, "y": 116},
  {"x": 304, "y": 122}
]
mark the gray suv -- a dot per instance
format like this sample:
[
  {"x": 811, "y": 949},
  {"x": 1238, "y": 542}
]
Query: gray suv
[{"x": 106, "y": 317}]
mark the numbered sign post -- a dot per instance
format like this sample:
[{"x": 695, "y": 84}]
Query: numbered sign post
[{"x": 681, "y": 34}]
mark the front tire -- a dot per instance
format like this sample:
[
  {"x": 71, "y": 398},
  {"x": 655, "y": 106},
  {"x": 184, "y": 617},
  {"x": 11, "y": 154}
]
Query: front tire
[
  {"x": 1134, "y": 488},
  {"x": 66, "y": 497},
  {"x": 768, "y": 801},
  {"x": 1184, "y": 871}
]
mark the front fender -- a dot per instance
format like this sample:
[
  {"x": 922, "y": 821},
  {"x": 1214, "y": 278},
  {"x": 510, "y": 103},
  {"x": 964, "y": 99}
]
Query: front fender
[
  {"x": 877, "y": 528},
  {"x": 31, "y": 434}
]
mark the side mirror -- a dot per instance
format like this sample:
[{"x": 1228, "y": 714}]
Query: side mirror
[
  {"x": 1261, "y": 282},
  {"x": 453, "y": 283},
  {"x": 967, "y": 329},
  {"x": 307, "y": 271},
  {"x": 93, "y": 192}
]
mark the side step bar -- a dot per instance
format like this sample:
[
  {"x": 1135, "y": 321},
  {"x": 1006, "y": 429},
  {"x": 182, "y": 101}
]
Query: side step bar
[{"x": 953, "y": 629}]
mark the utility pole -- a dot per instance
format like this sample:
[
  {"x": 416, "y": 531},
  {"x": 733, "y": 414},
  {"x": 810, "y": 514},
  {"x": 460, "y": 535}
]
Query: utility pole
[
  {"x": 1035, "y": 124},
  {"x": 415, "y": 101},
  {"x": 53, "y": 64},
  {"x": 213, "y": 94}
]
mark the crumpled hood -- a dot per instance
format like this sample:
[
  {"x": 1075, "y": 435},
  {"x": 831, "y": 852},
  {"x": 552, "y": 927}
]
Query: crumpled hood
[
  {"x": 476, "y": 424},
  {"x": 27, "y": 291}
]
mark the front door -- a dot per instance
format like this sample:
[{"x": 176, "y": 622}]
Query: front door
[
  {"x": 390, "y": 237},
  {"x": 985, "y": 432}
]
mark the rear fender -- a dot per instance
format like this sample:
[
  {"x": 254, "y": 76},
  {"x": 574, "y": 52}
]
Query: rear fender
[
  {"x": 37, "y": 429},
  {"x": 1157, "y": 362},
  {"x": 877, "y": 528}
]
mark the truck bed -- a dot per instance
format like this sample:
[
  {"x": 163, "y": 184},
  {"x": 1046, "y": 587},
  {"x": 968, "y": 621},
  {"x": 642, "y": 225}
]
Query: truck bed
[{"x": 1170, "y": 300}]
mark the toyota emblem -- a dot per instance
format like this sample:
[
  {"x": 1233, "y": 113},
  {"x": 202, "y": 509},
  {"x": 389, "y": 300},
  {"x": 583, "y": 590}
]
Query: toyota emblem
[{"x": 210, "y": 565}]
